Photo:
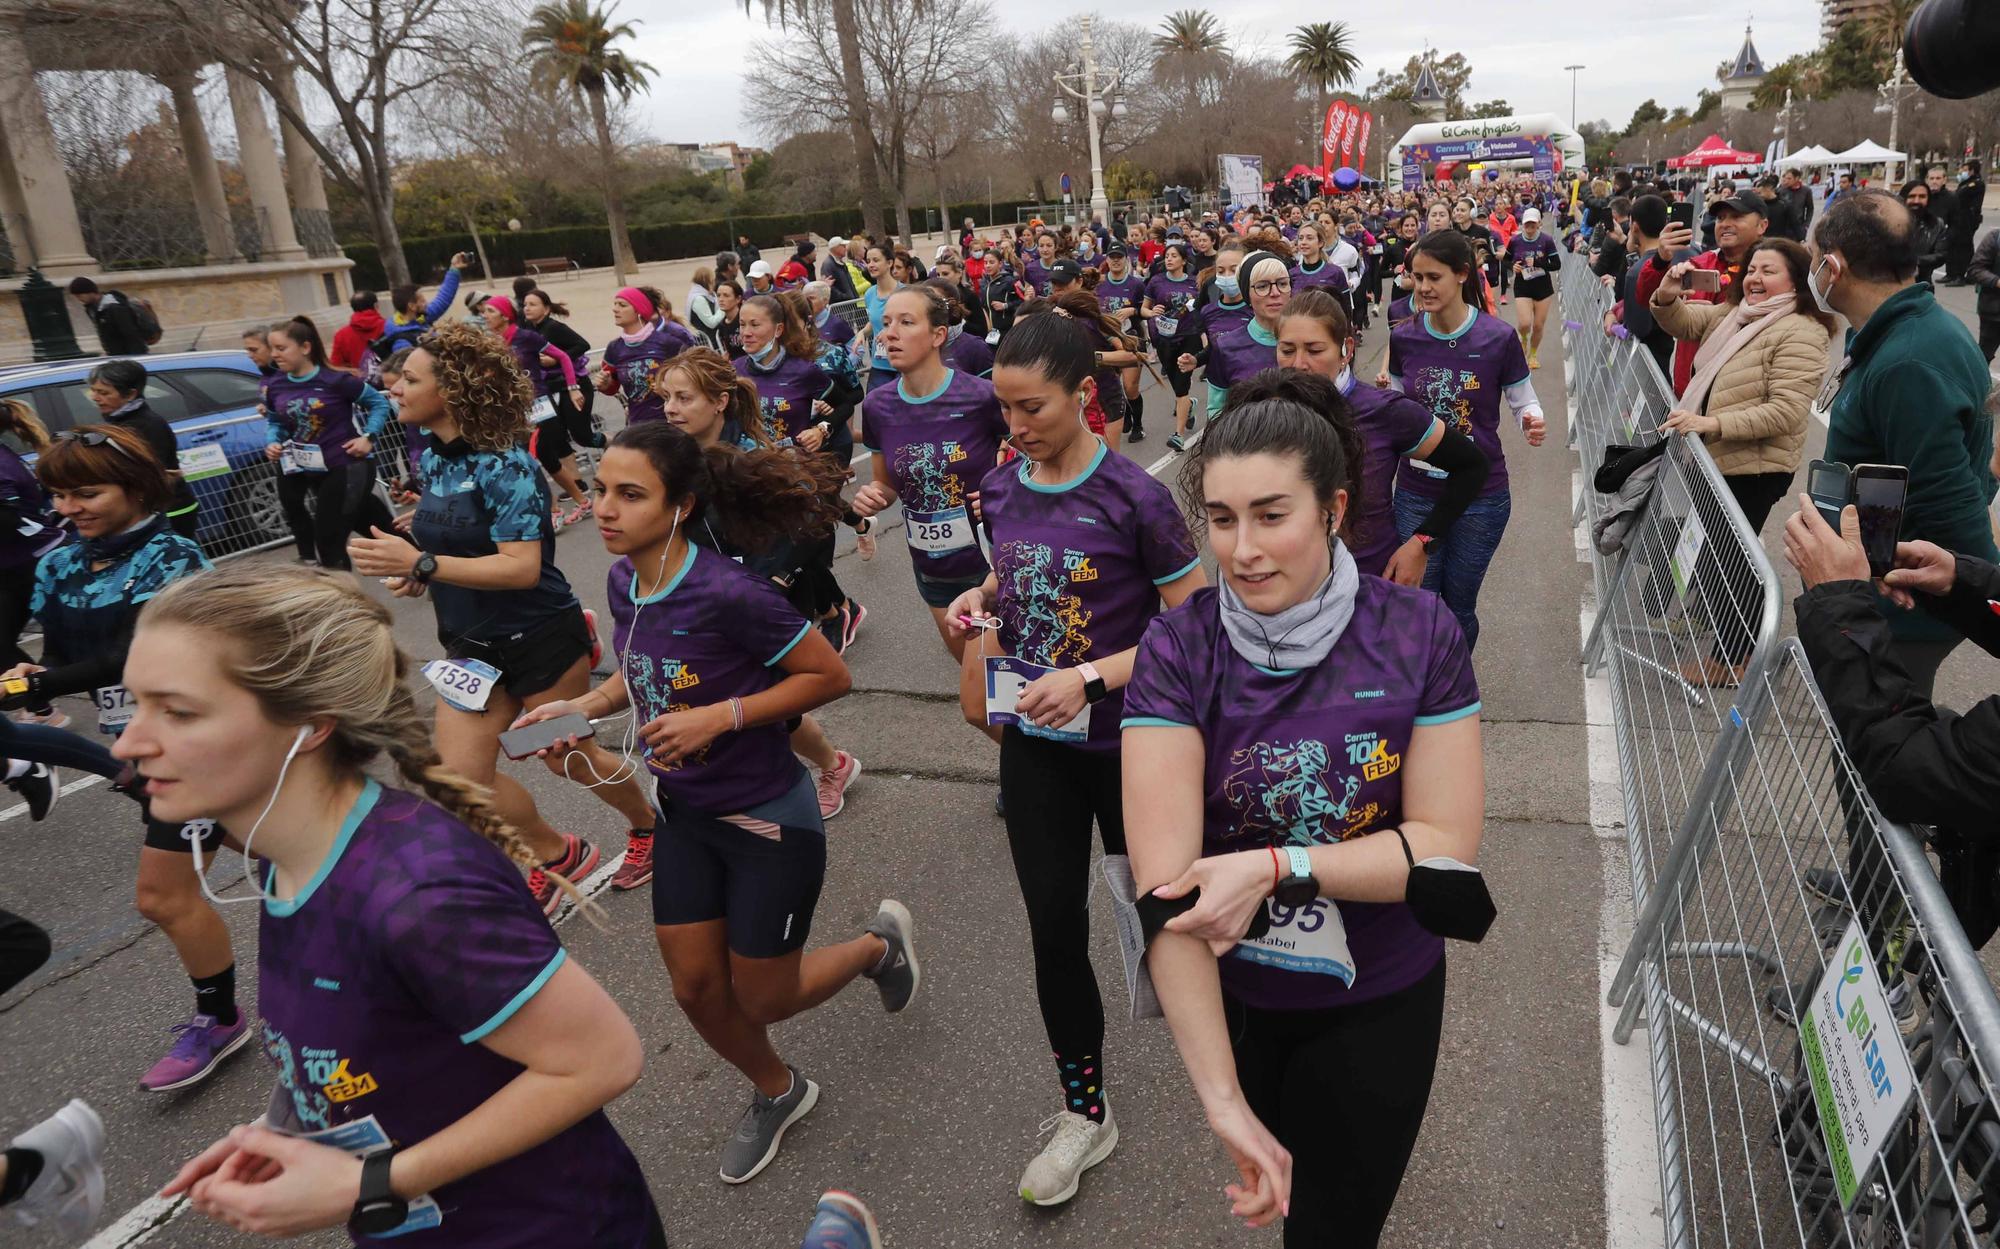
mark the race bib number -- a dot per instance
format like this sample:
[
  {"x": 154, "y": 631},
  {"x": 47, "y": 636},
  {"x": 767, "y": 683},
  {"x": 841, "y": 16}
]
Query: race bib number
[
  {"x": 114, "y": 708},
  {"x": 938, "y": 533},
  {"x": 1166, "y": 325},
  {"x": 464, "y": 683},
  {"x": 360, "y": 1138},
  {"x": 1006, "y": 677},
  {"x": 1310, "y": 939},
  {"x": 302, "y": 457},
  {"x": 1531, "y": 272},
  {"x": 542, "y": 409}
]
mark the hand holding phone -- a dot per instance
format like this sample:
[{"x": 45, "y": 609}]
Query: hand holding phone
[
  {"x": 1709, "y": 280},
  {"x": 530, "y": 739},
  {"x": 1830, "y": 484},
  {"x": 1879, "y": 491}
]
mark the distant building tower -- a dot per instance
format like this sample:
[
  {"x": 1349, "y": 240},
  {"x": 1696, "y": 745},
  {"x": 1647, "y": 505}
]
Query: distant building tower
[
  {"x": 1835, "y": 14},
  {"x": 1745, "y": 75},
  {"x": 1427, "y": 99}
]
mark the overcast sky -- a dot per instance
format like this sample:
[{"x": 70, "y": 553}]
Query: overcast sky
[{"x": 1517, "y": 49}]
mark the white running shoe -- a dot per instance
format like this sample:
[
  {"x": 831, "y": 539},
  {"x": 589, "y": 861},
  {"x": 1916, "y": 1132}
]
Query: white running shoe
[
  {"x": 1078, "y": 1145},
  {"x": 70, "y": 1190}
]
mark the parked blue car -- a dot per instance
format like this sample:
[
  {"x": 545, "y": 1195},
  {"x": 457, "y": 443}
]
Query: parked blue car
[{"x": 210, "y": 398}]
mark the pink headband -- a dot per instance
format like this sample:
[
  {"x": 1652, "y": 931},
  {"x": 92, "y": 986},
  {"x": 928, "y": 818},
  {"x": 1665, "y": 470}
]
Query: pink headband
[
  {"x": 504, "y": 304},
  {"x": 640, "y": 304}
]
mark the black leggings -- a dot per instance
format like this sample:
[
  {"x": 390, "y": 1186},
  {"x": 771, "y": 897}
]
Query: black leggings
[
  {"x": 1053, "y": 793},
  {"x": 344, "y": 502},
  {"x": 24, "y": 946},
  {"x": 1344, "y": 1089},
  {"x": 17, "y": 590},
  {"x": 551, "y": 439},
  {"x": 1170, "y": 353}
]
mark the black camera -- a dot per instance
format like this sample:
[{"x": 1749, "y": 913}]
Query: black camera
[{"x": 1952, "y": 47}]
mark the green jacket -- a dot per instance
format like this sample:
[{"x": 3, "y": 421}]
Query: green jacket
[{"x": 1915, "y": 395}]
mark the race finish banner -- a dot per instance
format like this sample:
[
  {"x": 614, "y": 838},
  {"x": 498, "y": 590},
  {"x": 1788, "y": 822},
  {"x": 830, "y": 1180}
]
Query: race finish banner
[
  {"x": 1506, "y": 148},
  {"x": 1242, "y": 178}
]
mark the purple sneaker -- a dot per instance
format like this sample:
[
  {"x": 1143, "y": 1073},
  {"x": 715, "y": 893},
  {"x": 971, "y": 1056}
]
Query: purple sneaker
[
  {"x": 842, "y": 1221},
  {"x": 200, "y": 1045}
]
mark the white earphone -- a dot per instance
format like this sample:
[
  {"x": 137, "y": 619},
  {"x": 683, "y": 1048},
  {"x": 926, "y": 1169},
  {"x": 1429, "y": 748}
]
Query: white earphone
[
  {"x": 629, "y": 762},
  {"x": 194, "y": 843}
]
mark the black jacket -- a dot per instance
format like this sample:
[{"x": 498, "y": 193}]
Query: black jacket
[
  {"x": 1800, "y": 200},
  {"x": 1971, "y": 203},
  {"x": 569, "y": 342},
  {"x": 118, "y": 327},
  {"x": 159, "y": 436},
  {"x": 1932, "y": 236},
  {"x": 1923, "y": 764},
  {"x": 1984, "y": 272}
]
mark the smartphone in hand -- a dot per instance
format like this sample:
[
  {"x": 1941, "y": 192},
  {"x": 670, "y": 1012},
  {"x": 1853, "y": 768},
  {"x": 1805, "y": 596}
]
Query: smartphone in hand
[
  {"x": 1830, "y": 484},
  {"x": 1709, "y": 280},
  {"x": 1879, "y": 492},
  {"x": 1682, "y": 213},
  {"x": 522, "y": 743}
]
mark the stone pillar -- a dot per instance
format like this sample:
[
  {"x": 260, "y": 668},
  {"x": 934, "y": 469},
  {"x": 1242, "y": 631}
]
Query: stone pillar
[
  {"x": 54, "y": 236},
  {"x": 218, "y": 236},
  {"x": 14, "y": 209},
  {"x": 302, "y": 175},
  {"x": 258, "y": 152}
]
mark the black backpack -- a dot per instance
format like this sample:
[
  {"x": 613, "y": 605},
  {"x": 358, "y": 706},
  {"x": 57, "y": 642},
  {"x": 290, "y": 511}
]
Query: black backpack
[{"x": 142, "y": 311}]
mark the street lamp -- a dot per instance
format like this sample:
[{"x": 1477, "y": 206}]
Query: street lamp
[
  {"x": 1892, "y": 93},
  {"x": 1081, "y": 84},
  {"x": 1572, "y": 92}
]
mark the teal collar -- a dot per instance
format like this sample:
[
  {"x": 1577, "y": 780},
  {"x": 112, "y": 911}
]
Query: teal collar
[
  {"x": 943, "y": 386},
  {"x": 306, "y": 376},
  {"x": 1261, "y": 335},
  {"x": 633, "y": 589},
  {"x": 363, "y": 804},
  {"x": 1027, "y": 466},
  {"x": 1472, "y": 314}
]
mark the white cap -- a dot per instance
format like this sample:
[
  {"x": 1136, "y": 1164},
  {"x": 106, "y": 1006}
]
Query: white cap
[
  {"x": 1532, "y": 214},
  {"x": 944, "y": 249},
  {"x": 760, "y": 268},
  {"x": 836, "y": 241}
]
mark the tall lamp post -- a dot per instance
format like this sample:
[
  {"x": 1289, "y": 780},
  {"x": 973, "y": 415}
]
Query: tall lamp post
[
  {"x": 1892, "y": 93},
  {"x": 1572, "y": 92},
  {"x": 1081, "y": 84}
]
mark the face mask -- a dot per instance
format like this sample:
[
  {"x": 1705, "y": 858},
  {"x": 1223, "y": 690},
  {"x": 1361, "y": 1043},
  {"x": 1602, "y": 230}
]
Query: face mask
[
  {"x": 249, "y": 873},
  {"x": 1818, "y": 289},
  {"x": 978, "y": 255},
  {"x": 819, "y": 318},
  {"x": 768, "y": 353},
  {"x": 1447, "y": 898},
  {"x": 1228, "y": 286}
]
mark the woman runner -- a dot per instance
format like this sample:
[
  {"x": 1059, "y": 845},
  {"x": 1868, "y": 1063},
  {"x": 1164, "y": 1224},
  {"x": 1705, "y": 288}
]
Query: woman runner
[
  {"x": 1119, "y": 292},
  {"x": 548, "y": 438},
  {"x": 417, "y": 1005},
  {"x": 644, "y": 343},
  {"x": 1237, "y": 350},
  {"x": 1169, "y": 309},
  {"x": 1312, "y": 1047},
  {"x": 512, "y": 634},
  {"x": 882, "y": 272},
  {"x": 322, "y": 425},
  {"x": 1086, "y": 547},
  {"x": 1532, "y": 257},
  {"x": 713, "y": 662},
  {"x": 540, "y": 311}
]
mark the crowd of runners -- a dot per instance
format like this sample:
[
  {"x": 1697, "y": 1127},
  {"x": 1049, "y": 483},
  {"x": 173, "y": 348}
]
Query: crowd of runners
[{"x": 1234, "y": 682}]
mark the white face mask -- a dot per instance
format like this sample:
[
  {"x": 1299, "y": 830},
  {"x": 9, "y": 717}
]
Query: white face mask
[
  {"x": 194, "y": 843},
  {"x": 1819, "y": 290}
]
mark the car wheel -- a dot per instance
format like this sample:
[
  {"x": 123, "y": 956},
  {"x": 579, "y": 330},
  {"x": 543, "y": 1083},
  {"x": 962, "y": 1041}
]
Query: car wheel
[{"x": 257, "y": 518}]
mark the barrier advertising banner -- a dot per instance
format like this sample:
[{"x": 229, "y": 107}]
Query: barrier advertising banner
[
  {"x": 1242, "y": 178},
  {"x": 1329, "y": 142},
  {"x": 1367, "y": 121}
]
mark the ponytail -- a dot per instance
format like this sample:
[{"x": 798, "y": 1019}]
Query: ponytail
[
  {"x": 755, "y": 498},
  {"x": 18, "y": 419},
  {"x": 1287, "y": 412},
  {"x": 300, "y": 329}
]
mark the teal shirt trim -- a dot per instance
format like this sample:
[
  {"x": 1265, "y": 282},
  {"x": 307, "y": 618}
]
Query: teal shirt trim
[
  {"x": 1103, "y": 449},
  {"x": 1447, "y": 717},
  {"x": 632, "y": 591},
  {"x": 1412, "y": 448},
  {"x": 1258, "y": 334},
  {"x": 1151, "y": 722},
  {"x": 363, "y": 804},
  {"x": 943, "y": 386},
  {"x": 1277, "y": 672},
  {"x": 1457, "y": 333},
  {"x": 798, "y": 637},
  {"x": 514, "y": 1005},
  {"x": 1176, "y": 576}
]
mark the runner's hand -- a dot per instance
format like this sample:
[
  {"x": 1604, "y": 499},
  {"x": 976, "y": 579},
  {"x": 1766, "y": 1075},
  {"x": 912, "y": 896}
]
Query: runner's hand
[
  {"x": 1382, "y": 380},
  {"x": 1053, "y": 698},
  {"x": 1406, "y": 566},
  {"x": 272, "y": 450},
  {"x": 679, "y": 734},
  {"x": 315, "y": 1187},
  {"x": 871, "y": 498},
  {"x": 200, "y": 1167},
  {"x": 576, "y": 397},
  {"x": 549, "y": 711},
  {"x": 358, "y": 447},
  {"x": 1233, "y": 888},
  {"x": 404, "y": 587},
  {"x": 1264, "y": 1165},
  {"x": 1535, "y": 427},
  {"x": 384, "y": 555},
  {"x": 810, "y": 438},
  {"x": 21, "y": 670},
  {"x": 973, "y": 603},
  {"x": 1185, "y": 362}
]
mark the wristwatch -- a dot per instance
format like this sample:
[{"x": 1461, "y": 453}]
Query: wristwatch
[
  {"x": 377, "y": 1210},
  {"x": 1094, "y": 688},
  {"x": 1301, "y": 887},
  {"x": 426, "y": 568}
]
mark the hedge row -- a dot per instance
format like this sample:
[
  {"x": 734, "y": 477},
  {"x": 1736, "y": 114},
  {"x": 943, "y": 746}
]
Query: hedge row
[{"x": 590, "y": 246}]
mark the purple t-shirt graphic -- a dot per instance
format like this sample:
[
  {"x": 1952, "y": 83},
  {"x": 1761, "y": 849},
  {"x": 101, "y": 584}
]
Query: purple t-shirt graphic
[
  {"x": 1460, "y": 379},
  {"x": 786, "y": 392},
  {"x": 1116, "y": 293},
  {"x": 1328, "y": 277},
  {"x": 1392, "y": 427},
  {"x": 1311, "y": 757},
  {"x": 714, "y": 633},
  {"x": 937, "y": 449},
  {"x": 633, "y": 364},
  {"x": 1532, "y": 253},
  {"x": 1080, "y": 565},
  {"x": 1036, "y": 275},
  {"x": 377, "y": 981},
  {"x": 318, "y": 408}
]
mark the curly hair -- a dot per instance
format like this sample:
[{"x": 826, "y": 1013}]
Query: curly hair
[
  {"x": 485, "y": 392},
  {"x": 756, "y": 498}
]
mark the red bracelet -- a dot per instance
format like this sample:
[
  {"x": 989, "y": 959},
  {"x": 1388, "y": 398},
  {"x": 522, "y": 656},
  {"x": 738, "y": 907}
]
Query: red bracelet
[{"x": 1275, "y": 875}]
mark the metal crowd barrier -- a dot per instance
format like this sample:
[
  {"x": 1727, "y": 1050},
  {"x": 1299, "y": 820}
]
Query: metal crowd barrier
[
  {"x": 1820, "y": 1032},
  {"x": 240, "y": 512}
]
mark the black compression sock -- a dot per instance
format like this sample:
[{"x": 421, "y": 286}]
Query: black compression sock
[
  {"x": 24, "y": 1167},
  {"x": 1083, "y": 1085},
  {"x": 216, "y": 995},
  {"x": 1138, "y": 405}
]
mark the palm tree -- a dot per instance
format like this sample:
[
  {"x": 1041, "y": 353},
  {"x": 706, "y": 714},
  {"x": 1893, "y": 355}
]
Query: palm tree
[
  {"x": 1885, "y": 23},
  {"x": 1190, "y": 45},
  {"x": 569, "y": 43},
  {"x": 847, "y": 29},
  {"x": 1323, "y": 55}
]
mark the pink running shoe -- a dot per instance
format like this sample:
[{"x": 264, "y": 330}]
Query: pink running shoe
[
  {"x": 637, "y": 867},
  {"x": 834, "y": 782},
  {"x": 578, "y": 861}
]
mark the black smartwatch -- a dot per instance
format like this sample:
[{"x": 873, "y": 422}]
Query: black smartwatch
[
  {"x": 1300, "y": 888},
  {"x": 377, "y": 1210},
  {"x": 426, "y": 568},
  {"x": 1094, "y": 688}
]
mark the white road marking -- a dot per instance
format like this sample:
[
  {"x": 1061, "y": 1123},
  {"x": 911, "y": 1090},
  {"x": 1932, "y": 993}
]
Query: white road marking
[{"x": 82, "y": 782}]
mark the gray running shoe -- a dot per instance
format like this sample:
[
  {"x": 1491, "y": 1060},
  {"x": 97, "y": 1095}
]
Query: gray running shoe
[
  {"x": 897, "y": 976},
  {"x": 1054, "y": 1175},
  {"x": 69, "y": 1193},
  {"x": 763, "y": 1126}
]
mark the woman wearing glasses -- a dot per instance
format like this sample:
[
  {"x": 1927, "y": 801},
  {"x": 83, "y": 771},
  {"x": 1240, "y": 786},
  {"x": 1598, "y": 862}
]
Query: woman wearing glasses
[{"x": 1239, "y": 350}]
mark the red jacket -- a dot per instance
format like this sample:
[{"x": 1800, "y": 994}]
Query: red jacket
[
  {"x": 1648, "y": 281},
  {"x": 350, "y": 341}
]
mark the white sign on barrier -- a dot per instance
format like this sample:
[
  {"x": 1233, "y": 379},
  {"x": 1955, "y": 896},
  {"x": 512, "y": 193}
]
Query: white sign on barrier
[
  {"x": 1861, "y": 1076},
  {"x": 1242, "y": 178},
  {"x": 1686, "y": 550}
]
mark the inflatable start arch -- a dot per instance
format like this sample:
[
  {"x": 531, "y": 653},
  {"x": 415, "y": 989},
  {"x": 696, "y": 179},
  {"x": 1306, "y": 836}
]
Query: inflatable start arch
[{"x": 1534, "y": 141}]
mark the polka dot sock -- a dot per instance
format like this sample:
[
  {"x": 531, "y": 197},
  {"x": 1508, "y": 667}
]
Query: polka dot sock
[{"x": 1082, "y": 1085}]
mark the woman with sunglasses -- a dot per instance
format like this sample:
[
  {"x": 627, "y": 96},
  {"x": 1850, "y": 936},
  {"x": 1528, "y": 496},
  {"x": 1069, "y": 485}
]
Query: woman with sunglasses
[
  {"x": 105, "y": 482},
  {"x": 117, "y": 388}
]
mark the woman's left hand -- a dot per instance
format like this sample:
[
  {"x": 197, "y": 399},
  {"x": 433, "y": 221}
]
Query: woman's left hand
[
  {"x": 576, "y": 397},
  {"x": 1232, "y": 887},
  {"x": 678, "y": 734},
  {"x": 1681, "y": 421},
  {"x": 1535, "y": 428},
  {"x": 277, "y": 1185},
  {"x": 810, "y": 438},
  {"x": 383, "y": 555},
  {"x": 358, "y": 447},
  {"x": 1053, "y": 698},
  {"x": 1406, "y": 566},
  {"x": 822, "y": 408}
]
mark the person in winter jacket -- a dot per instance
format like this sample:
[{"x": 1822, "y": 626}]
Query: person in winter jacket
[
  {"x": 1931, "y": 233},
  {"x": 1984, "y": 272},
  {"x": 1740, "y": 223},
  {"x": 412, "y": 316},
  {"x": 116, "y": 320},
  {"x": 349, "y": 352},
  {"x": 1971, "y": 195}
]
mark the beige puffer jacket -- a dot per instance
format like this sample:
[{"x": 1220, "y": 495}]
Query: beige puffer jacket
[{"x": 1764, "y": 394}]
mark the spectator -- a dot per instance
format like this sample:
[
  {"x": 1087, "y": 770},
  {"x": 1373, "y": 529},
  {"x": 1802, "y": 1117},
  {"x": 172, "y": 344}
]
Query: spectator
[
  {"x": 747, "y": 252},
  {"x": 835, "y": 273},
  {"x": 1984, "y": 272},
  {"x": 1843, "y": 191},
  {"x": 704, "y": 312},
  {"x": 1971, "y": 195},
  {"x": 1612, "y": 234},
  {"x": 728, "y": 268},
  {"x": 1930, "y": 235},
  {"x": 412, "y": 315},
  {"x": 1794, "y": 191},
  {"x": 1739, "y": 226},
  {"x": 349, "y": 352},
  {"x": 1761, "y": 358},
  {"x": 1777, "y": 210},
  {"x": 1912, "y": 391},
  {"x": 114, "y": 315},
  {"x": 1944, "y": 205},
  {"x": 118, "y": 390},
  {"x": 798, "y": 269}
]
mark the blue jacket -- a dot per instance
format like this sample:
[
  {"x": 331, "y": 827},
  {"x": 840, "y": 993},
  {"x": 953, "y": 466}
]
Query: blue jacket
[{"x": 402, "y": 333}]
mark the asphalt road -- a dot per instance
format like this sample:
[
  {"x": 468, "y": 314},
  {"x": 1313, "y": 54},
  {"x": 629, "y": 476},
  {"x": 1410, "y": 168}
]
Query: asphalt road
[{"x": 932, "y": 1114}]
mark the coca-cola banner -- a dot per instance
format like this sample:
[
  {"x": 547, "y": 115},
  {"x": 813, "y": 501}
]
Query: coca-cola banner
[
  {"x": 1329, "y": 144},
  {"x": 1367, "y": 120}
]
